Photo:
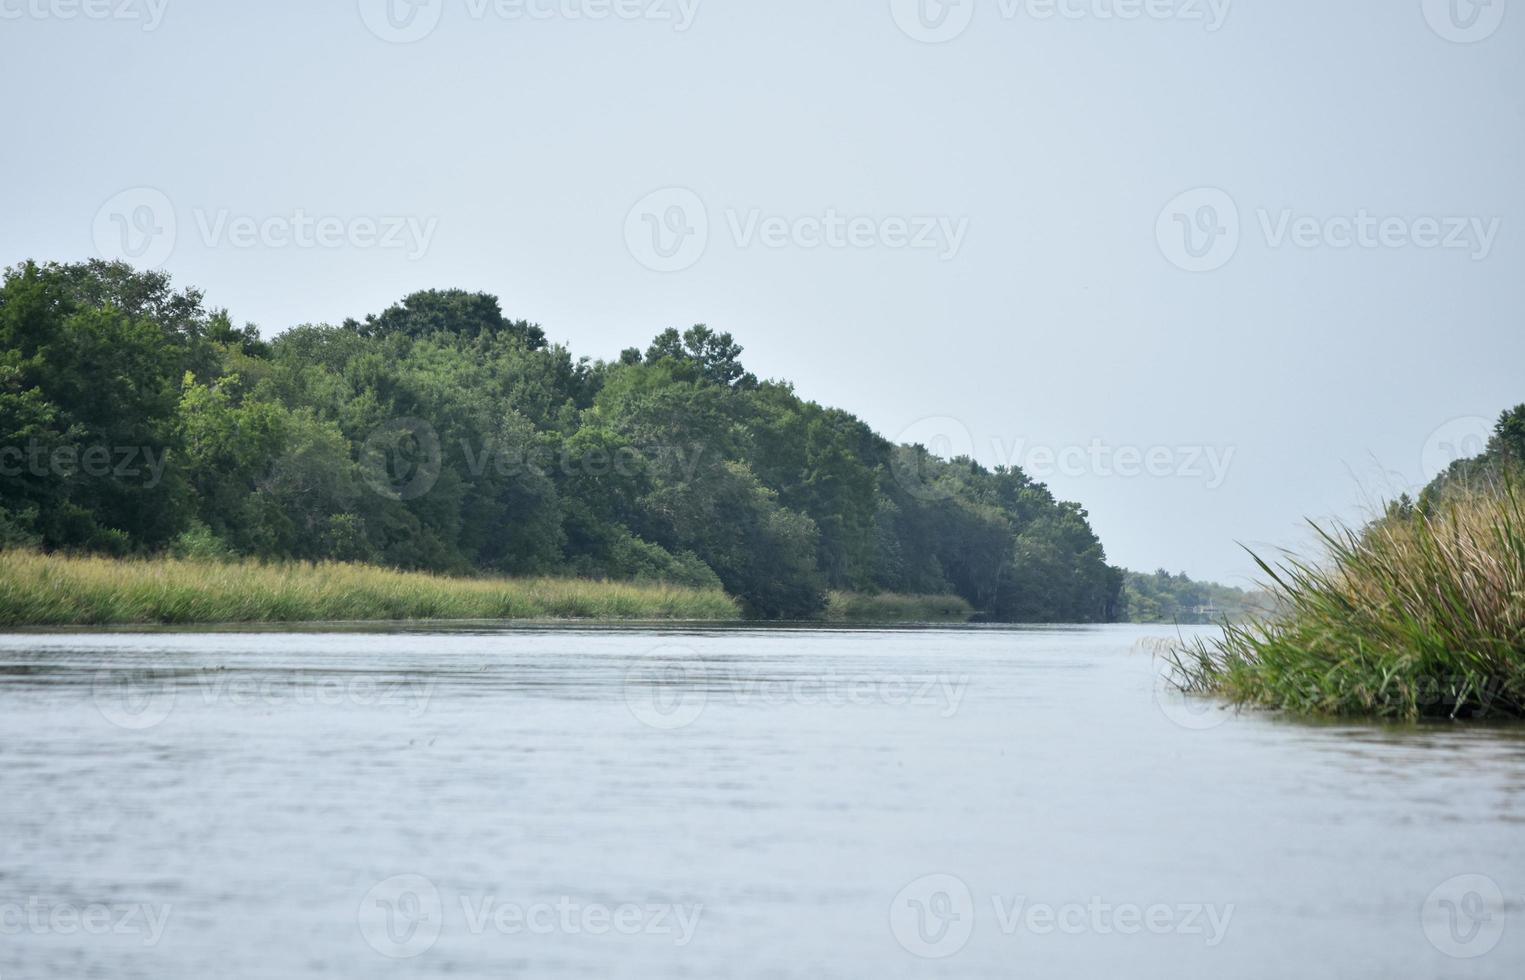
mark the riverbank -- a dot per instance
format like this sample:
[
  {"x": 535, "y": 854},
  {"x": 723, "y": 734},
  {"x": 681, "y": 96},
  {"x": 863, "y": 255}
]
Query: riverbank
[
  {"x": 57, "y": 590},
  {"x": 54, "y": 590},
  {"x": 1418, "y": 615}
]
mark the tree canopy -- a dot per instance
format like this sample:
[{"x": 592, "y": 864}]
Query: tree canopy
[
  {"x": 440, "y": 435},
  {"x": 1501, "y": 465}
]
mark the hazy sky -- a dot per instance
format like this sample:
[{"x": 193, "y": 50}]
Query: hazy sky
[{"x": 1205, "y": 266}]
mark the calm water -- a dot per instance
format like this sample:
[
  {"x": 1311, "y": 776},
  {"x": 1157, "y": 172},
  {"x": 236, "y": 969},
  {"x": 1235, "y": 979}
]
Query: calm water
[{"x": 759, "y": 803}]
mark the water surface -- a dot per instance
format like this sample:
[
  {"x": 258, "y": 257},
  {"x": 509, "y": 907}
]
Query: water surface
[{"x": 972, "y": 802}]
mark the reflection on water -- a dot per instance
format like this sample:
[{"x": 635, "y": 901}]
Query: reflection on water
[{"x": 699, "y": 802}]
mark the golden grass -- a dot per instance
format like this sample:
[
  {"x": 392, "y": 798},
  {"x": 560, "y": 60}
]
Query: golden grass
[{"x": 56, "y": 590}]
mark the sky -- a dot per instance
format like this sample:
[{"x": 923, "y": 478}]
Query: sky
[{"x": 1208, "y": 267}]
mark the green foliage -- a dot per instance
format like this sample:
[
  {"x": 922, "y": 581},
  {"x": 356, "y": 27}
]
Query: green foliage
[
  {"x": 1416, "y": 615},
  {"x": 441, "y": 436},
  {"x": 852, "y": 607},
  {"x": 1406, "y": 618},
  {"x": 200, "y": 543},
  {"x": 91, "y": 359},
  {"x": 450, "y": 311},
  {"x": 1508, "y": 440},
  {"x": 716, "y": 356},
  {"x": 1503, "y": 459}
]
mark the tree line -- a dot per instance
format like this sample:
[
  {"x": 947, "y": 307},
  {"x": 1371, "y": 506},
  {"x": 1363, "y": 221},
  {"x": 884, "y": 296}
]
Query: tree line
[
  {"x": 1166, "y": 598},
  {"x": 441, "y": 435},
  {"x": 1498, "y": 468}
]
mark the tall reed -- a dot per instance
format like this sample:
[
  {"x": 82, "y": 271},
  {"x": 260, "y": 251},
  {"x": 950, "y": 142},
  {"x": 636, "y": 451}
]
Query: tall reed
[
  {"x": 1420, "y": 614},
  {"x": 55, "y": 590}
]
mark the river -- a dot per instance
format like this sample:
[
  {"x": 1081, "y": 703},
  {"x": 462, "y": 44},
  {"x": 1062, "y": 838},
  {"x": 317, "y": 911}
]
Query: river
[{"x": 699, "y": 802}]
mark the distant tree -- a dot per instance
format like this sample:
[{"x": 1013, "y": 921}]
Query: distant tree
[
  {"x": 1502, "y": 459},
  {"x": 1508, "y": 440},
  {"x": 220, "y": 330},
  {"x": 453, "y": 311},
  {"x": 717, "y": 356},
  {"x": 1161, "y": 597}
]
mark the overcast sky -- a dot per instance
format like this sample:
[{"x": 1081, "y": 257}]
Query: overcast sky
[{"x": 1206, "y": 266}]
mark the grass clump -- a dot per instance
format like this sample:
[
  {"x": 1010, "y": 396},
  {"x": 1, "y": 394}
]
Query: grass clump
[
  {"x": 1420, "y": 614},
  {"x": 892, "y": 608},
  {"x": 56, "y": 590}
]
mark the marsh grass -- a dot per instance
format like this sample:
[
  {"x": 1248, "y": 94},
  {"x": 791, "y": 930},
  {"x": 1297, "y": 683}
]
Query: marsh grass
[
  {"x": 892, "y": 608},
  {"x": 55, "y": 590},
  {"x": 1418, "y": 615}
]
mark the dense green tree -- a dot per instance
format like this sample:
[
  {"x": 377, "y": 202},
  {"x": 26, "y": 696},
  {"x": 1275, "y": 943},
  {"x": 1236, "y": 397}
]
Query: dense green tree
[
  {"x": 1508, "y": 440},
  {"x": 450, "y": 311},
  {"x": 440, "y": 435},
  {"x": 717, "y": 356},
  {"x": 1501, "y": 462},
  {"x": 812, "y": 458},
  {"x": 91, "y": 359}
]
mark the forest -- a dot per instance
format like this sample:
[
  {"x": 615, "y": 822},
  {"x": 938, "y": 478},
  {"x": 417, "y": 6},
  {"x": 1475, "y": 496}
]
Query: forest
[{"x": 441, "y": 435}]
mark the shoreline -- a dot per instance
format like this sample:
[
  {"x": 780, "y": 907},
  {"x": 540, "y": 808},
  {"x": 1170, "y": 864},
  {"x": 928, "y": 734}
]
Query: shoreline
[{"x": 47, "y": 592}]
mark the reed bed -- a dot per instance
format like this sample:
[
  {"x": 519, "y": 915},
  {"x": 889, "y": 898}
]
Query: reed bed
[
  {"x": 57, "y": 590},
  {"x": 892, "y": 608},
  {"x": 1419, "y": 615}
]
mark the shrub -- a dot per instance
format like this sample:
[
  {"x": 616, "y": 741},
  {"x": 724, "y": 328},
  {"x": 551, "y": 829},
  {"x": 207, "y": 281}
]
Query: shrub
[{"x": 1420, "y": 614}]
